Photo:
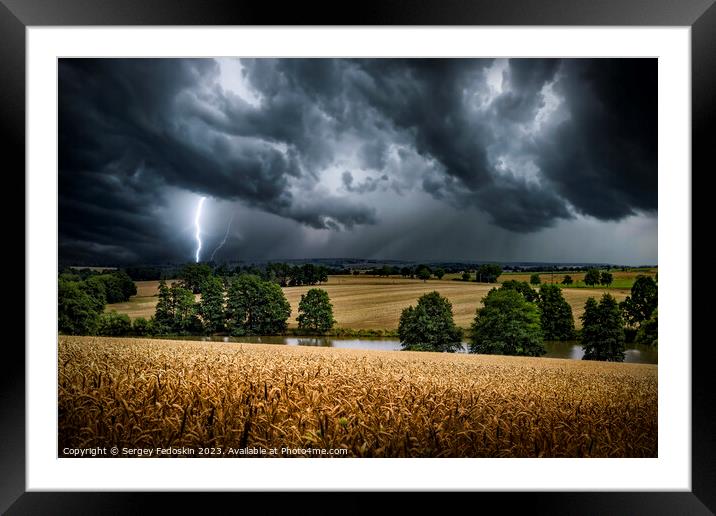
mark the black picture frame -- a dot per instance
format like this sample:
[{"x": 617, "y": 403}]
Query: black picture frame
[{"x": 17, "y": 15}]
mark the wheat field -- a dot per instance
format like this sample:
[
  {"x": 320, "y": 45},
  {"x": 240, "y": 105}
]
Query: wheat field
[
  {"x": 148, "y": 394},
  {"x": 367, "y": 303}
]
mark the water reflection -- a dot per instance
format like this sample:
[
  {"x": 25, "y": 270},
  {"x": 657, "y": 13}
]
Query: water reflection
[
  {"x": 564, "y": 349},
  {"x": 569, "y": 349}
]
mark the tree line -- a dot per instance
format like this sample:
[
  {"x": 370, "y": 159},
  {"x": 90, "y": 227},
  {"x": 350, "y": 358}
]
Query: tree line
[
  {"x": 82, "y": 298},
  {"x": 243, "y": 305},
  {"x": 486, "y": 273},
  {"x": 239, "y": 305},
  {"x": 256, "y": 304},
  {"x": 193, "y": 275},
  {"x": 516, "y": 319},
  {"x": 283, "y": 273},
  {"x": 592, "y": 278}
]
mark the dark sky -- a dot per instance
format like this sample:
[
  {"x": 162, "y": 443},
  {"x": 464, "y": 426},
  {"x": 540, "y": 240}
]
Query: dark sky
[{"x": 412, "y": 159}]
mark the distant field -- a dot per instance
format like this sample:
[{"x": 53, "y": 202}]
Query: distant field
[
  {"x": 365, "y": 302},
  {"x": 141, "y": 305},
  {"x": 622, "y": 279},
  {"x": 161, "y": 394}
]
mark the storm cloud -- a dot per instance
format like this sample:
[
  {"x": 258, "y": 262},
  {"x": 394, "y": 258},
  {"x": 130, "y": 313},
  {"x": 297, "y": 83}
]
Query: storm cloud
[{"x": 327, "y": 144}]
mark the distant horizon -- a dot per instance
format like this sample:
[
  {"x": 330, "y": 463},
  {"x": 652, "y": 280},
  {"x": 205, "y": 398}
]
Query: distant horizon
[{"x": 359, "y": 260}]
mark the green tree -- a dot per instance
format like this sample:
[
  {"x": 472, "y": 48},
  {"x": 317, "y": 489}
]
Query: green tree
[
  {"x": 507, "y": 324},
  {"x": 211, "y": 306},
  {"x": 602, "y": 332},
  {"x": 113, "y": 324},
  {"x": 322, "y": 274},
  {"x": 118, "y": 286},
  {"x": 592, "y": 277},
  {"x": 385, "y": 270},
  {"x": 95, "y": 288},
  {"x": 429, "y": 325},
  {"x": 126, "y": 284},
  {"x": 164, "y": 312},
  {"x": 606, "y": 278},
  {"x": 76, "y": 310},
  {"x": 555, "y": 314},
  {"x": 423, "y": 272},
  {"x": 465, "y": 276},
  {"x": 488, "y": 273},
  {"x": 143, "y": 273},
  {"x": 648, "y": 333},
  {"x": 642, "y": 302},
  {"x": 142, "y": 327},
  {"x": 114, "y": 292},
  {"x": 193, "y": 276},
  {"x": 256, "y": 307},
  {"x": 281, "y": 273},
  {"x": 439, "y": 273},
  {"x": 70, "y": 276},
  {"x": 295, "y": 275},
  {"x": 185, "y": 313},
  {"x": 522, "y": 287},
  {"x": 567, "y": 280},
  {"x": 315, "y": 311},
  {"x": 535, "y": 279},
  {"x": 310, "y": 274}
]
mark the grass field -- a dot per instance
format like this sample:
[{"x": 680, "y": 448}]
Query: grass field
[
  {"x": 365, "y": 302},
  {"x": 622, "y": 279},
  {"x": 152, "y": 394}
]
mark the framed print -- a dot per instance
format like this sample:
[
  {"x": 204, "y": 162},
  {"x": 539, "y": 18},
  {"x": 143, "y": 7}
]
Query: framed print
[{"x": 215, "y": 207}]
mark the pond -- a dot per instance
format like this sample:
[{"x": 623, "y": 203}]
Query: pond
[{"x": 569, "y": 349}]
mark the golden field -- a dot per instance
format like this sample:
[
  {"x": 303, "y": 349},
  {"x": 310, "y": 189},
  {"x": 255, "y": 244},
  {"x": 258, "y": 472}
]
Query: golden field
[
  {"x": 137, "y": 393},
  {"x": 366, "y": 302}
]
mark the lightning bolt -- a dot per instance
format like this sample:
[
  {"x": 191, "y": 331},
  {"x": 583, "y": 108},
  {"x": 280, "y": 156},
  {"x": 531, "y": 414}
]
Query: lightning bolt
[
  {"x": 226, "y": 235},
  {"x": 197, "y": 235}
]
